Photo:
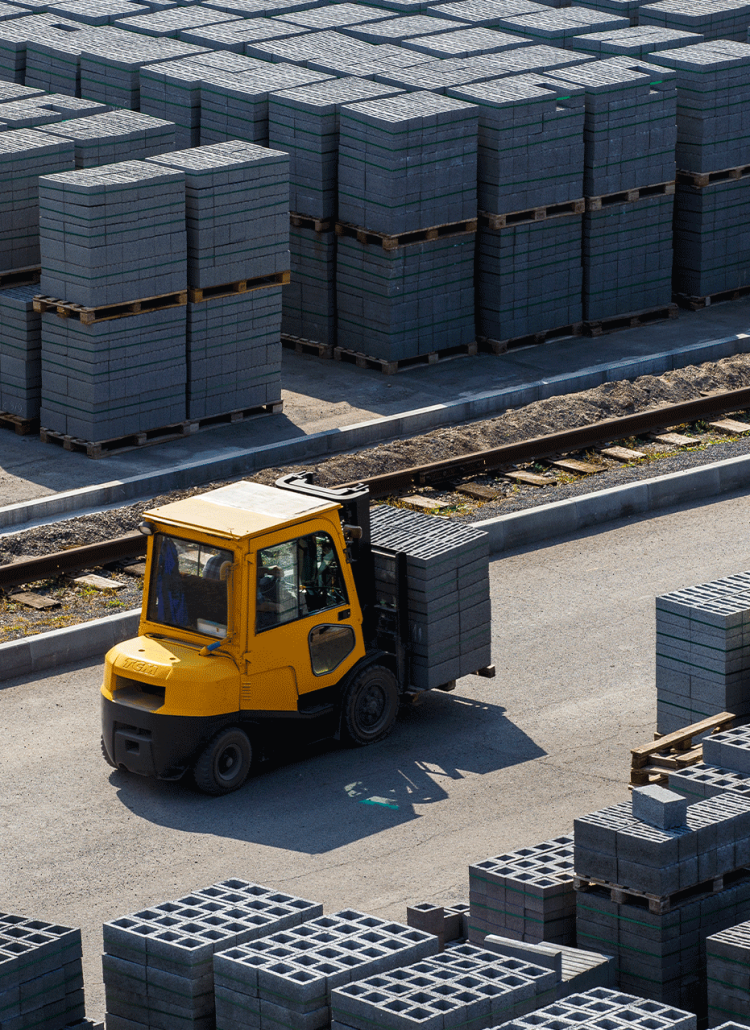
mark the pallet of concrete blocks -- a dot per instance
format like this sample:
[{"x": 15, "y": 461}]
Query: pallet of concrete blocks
[
  {"x": 636, "y": 41},
  {"x": 729, "y": 749},
  {"x": 234, "y": 35},
  {"x": 41, "y": 974},
  {"x": 588, "y": 1009},
  {"x": 447, "y": 588},
  {"x": 702, "y": 652},
  {"x": 97, "y": 12},
  {"x": 15, "y": 34},
  {"x": 45, "y": 109},
  {"x": 102, "y": 139},
  {"x": 714, "y": 19},
  {"x": 285, "y": 979},
  {"x": 465, "y": 43},
  {"x": 334, "y": 16},
  {"x": 575, "y": 970},
  {"x": 706, "y": 781},
  {"x": 53, "y": 58},
  {"x": 558, "y": 27},
  {"x": 464, "y": 986},
  {"x": 727, "y": 960},
  {"x": 447, "y": 922},
  {"x": 158, "y": 963},
  {"x": 25, "y": 154},
  {"x": 20, "y": 352},
  {"x": 172, "y": 22},
  {"x": 309, "y": 299},
  {"x": 113, "y": 234},
  {"x": 526, "y": 895}
]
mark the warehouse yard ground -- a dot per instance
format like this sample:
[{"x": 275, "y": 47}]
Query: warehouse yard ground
[{"x": 323, "y": 396}]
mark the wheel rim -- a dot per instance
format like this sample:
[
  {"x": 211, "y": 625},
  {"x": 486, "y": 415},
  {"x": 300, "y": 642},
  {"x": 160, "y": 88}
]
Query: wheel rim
[
  {"x": 371, "y": 707},
  {"x": 228, "y": 763}
]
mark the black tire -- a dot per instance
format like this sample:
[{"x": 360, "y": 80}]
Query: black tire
[
  {"x": 370, "y": 706},
  {"x": 106, "y": 757},
  {"x": 225, "y": 763}
]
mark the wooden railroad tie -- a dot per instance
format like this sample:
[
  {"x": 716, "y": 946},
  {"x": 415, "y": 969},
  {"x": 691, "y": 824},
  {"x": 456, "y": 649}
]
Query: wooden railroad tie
[{"x": 650, "y": 763}]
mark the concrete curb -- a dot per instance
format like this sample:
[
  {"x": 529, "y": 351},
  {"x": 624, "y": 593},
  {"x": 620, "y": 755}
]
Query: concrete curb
[
  {"x": 239, "y": 462},
  {"x": 519, "y": 529}
]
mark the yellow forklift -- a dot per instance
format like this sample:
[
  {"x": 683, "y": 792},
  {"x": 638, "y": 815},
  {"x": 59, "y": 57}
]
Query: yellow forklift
[{"x": 259, "y": 617}]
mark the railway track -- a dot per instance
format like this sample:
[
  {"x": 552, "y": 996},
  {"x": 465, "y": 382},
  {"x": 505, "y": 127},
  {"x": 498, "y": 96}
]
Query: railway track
[{"x": 389, "y": 484}]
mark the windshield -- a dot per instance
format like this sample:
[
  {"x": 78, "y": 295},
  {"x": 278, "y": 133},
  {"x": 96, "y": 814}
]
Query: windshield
[{"x": 188, "y": 587}]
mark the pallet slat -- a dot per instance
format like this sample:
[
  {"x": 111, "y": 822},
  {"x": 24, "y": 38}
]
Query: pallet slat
[
  {"x": 501, "y": 346},
  {"x": 20, "y": 426},
  {"x": 405, "y": 239},
  {"x": 659, "y": 189},
  {"x": 533, "y": 214},
  {"x": 692, "y": 303},
  {"x": 20, "y": 276},
  {"x": 106, "y": 312},
  {"x": 701, "y": 179},
  {"x": 197, "y": 295},
  {"x": 629, "y": 320}
]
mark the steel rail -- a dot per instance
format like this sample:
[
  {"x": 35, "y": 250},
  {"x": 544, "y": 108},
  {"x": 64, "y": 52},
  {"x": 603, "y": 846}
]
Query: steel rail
[
  {"x": 554, "y": 444},
  {"x": 30, "y": 570}
]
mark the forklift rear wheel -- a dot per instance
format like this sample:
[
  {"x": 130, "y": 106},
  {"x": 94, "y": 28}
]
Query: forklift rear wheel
[
  {"x": 225, "y": 764},
  {"x": 370, "y": 706}
]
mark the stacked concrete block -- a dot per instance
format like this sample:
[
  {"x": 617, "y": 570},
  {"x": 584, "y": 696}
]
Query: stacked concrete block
[
  {"x": 20, "y": 352},
  {"x": 309, "y": 300},
  {"x": 158, "y": 963},
  {"x": 464, "y": 985},
  {"x": 557, "y": 27},
  {"x": 706, "y": 781},
  {"x": 636, "y": 41},
  {"x": 53, "y": 59},
  {"x": 447, "y": 923},
  {"x": 588, "y": 1009},
  {"x": 447, "y": 592},
  {"x": 711, "y": 240},
  {"x": 12, "y": 91},
  {"x": 395, "y": 30},
  {"x": 116, "y": 136},
  {"x": 172, "y": 22},
  {"x": 526, "y": 895},
  {"x": 286, "y": 979},
  {"x": 44, "y": 109},
  {"x": 334, "y": 16},
  {"x": 342, "y": 55},
  {"x": 234, "y": 35},
  {"x": 96, "y": 12},
  {"x": 304, "y": 122},
  {"x": 727, "y": 959},
  {"x": 575, "y": 970},
  {"x": 484, "y": 12},
  {"x": 113, "y": 234},
  {"x": 41, "y": 974},
  {"x": 702, "y": 652},
  {"x": 714, "y": 19},
  {"x": 471, "y": 42},
  {"x": 25, "y": 154},
  {"x": 729, "y": 749},
  {"x": 15, "y": 35}
]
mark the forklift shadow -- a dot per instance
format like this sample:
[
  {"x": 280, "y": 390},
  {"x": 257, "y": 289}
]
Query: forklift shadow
[{"x": 315, "y": 798}]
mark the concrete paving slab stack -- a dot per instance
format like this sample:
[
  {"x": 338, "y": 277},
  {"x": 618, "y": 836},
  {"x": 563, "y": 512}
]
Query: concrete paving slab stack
[
  {"x": 714, "y": 19},
  {"x": 588, "y": 1009},
  {"x": 407, "y": 163},
  {"x": 656, "y": 877},
  {"x": 335, "y": 16},
  {"x": 727, "y": 959},
  {"x": 332, "y": 52},
  {"x": 113, "y": 235},
  {"x": 116, "y": 136},
  {"x": 395, "y": 30},
  {"x": 235, "y": 34},
  {"x": 526, "y": 895},
  {"x": 45, "y": 109},
  {"x": 711, "y": 245},
  {"x": 53, "y": 58},
  {"x": 304, "y": 122},
  {"x": 636, "y": 41},
  {"x": 96, "y": 12},
  {"x": 447, "y": 592},
  {"x": 237, "y": 229},
  {"x": 528, "y": 272},
  {"x": 173, "y": 21},
  {"x": 465, "y": 985},
  {"x": 158, "y": 963},
  {"x": 286, "y": 979},
  {"x": 20, "y": 352},
  {"x": 557, "y": 27},
  {"x": 25, "y": 154},
  {"x": 473, "y": 42},
  {"x": 629, "y": 144},
  {"x": 575, "y": 970},
  {"x": 703, "y": 652},
  {"x": 15, "y": 35},
  {"x": 486, "y": 13},
  {"x": 41, "y": 974}
]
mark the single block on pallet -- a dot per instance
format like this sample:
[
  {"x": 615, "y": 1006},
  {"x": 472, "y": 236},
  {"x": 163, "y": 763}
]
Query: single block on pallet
[
  {"x": 713, "y": 115},
  {"x": 629, "y": 129},
  {"x": 45, "y": 109},
  {"x": 25, "y": 154},
  {"x": 702, "y": 656},
  {"x": 530, "y": 147},
  {"x": 711, "y": 241},
  {"x": 590, "y": 1007},
  {"x": 288, "y": 978},
  {"x": 158, "y": 963},
  {"x": 635, "y": 41},
  {"x": 727, "y": 959},
  {"x": 309, "y": 299},
  {"x": 397, "y": 304},
  {"x": 464, "y": 984},
  {"x": 526, "y": 895},
  {"x": 234, "y": 352},
  {"x": 237, "y": 210},
  {"x": 627, "y": 257},
  {"x": 20, "y": 352},
  {"x": 113, "y": 234},
  {"x": 103, "y": 139},
  {"x": 42, "y": 973},
  {"x": 304, "y": 122},
  {"x": 718, "y": 19}
]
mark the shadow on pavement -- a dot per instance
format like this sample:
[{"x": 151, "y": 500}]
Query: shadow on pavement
[{"x": 325, "y": 796}]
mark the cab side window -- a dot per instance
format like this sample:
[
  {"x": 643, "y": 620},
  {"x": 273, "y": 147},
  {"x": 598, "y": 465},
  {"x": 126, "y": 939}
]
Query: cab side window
[{"x": 298, "y": 578}]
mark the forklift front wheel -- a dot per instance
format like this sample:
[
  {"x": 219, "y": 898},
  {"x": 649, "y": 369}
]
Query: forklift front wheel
[
  {"x": 370, "y": 706},
  {"x": 225, "y": 764}
]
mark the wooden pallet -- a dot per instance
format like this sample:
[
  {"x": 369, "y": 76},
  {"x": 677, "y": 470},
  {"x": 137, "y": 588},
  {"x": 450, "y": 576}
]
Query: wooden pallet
[
  {"x": 20, "y": 426},
  {"x": 657, "y": 904},
  {"x": 696, "y": 303},
  {"x": 106, "y": 312},
  {"x": 197, "y": 295},
  {"x": 532, "y": 214},
  {"x": 650, "y": 763},
  {"x": 405, "y": 239},
  {"x": 659, "y": 189},
  {"x": 150, "y": 437},
  {"x": 20, "y": 276},
  {"x": 303, "y": 346},
  {"x": 631, "y": 320},
  {"x": 299, "y": 221},
  {"x": 389, "y": 368},
  {"x": 686, "y": 178},
  {"x": 501, "y": 346}
]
